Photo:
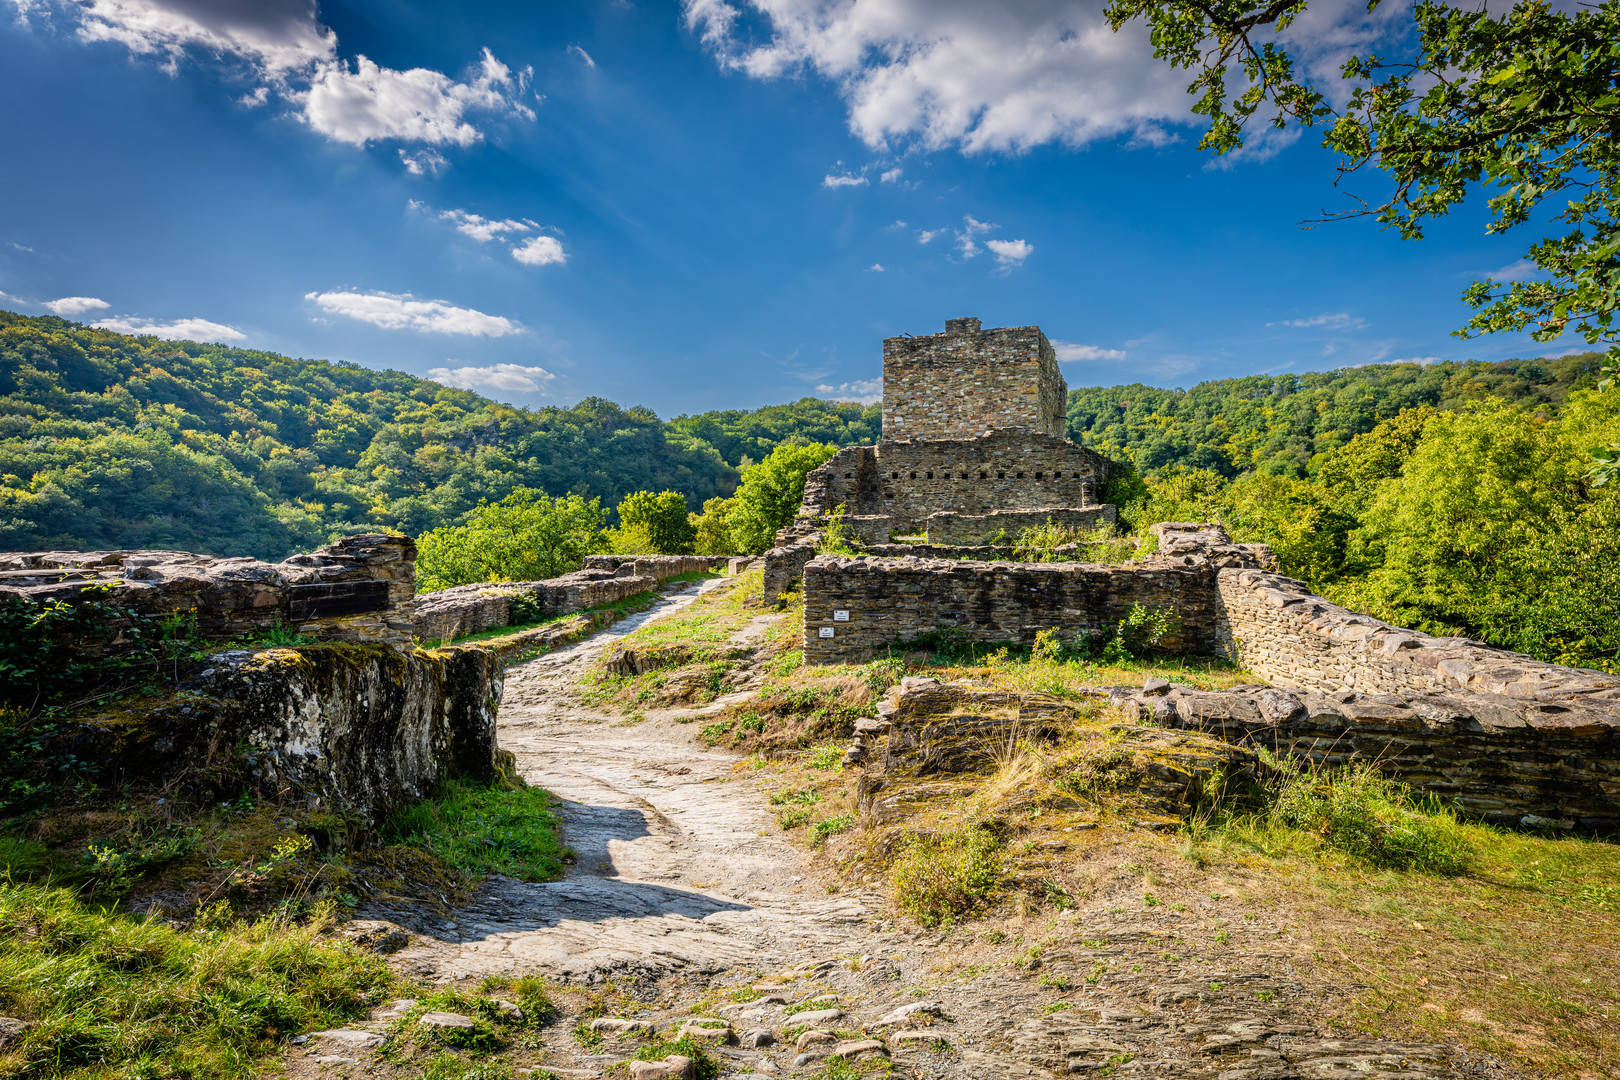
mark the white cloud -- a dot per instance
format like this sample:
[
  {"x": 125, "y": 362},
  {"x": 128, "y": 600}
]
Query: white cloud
[
  {"x": 276, "y": 35},
  {"x": 369, "y": 102},
  {"x": 832, "y": 180},
  {"x": 74, "y": 305},
  {"x": 585, "y": 57},
  {"x": 1424, "y": 360},
  {"x": 22, "y": 247},
  {"x": 540, "y": 251},
  {"x": 1339, "y": 320},
  {"x": 283, "y": 47},
  {"x": 400, "y": 311},
  {"x": 960, "y": 72},
  {"x": 1010, "y": 253},
  {"x": 990, "y": 77},
  {"x": 424, "y": 162},
  {"x": 178, "y": 330},
  {"x": 1069, "y": 352},
  {"x": 891, "y": 175},
  {"x": 483, "y": 229},
  {"x": 926, "y": 236},
  {"x": 876, "y": 268},
  {"x": 513, "y": 378},
  {"x": 861, "y": 391}
]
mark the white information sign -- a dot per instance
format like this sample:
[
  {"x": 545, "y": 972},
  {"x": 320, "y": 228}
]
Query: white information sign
[
  {"x": 840, "y": 616},
  {"x": 826, "y": 631}
]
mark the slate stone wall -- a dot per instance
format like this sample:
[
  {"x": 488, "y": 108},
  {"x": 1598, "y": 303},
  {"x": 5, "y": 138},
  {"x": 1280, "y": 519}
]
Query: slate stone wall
[
  {"x": 888, "y": 601},
  {"x": 910, "y": 481},
  {"x": 1512, "y": 760},
  {"x": 357, "y": 589},
  {"x": 605, "y": 579},
  {"x": 968, "y": 381}
]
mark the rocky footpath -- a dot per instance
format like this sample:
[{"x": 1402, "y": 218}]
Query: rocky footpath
[{"x": 689, "y": 911}]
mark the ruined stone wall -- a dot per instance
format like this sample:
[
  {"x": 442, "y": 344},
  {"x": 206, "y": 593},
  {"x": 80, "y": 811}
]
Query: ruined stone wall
[
  {"x": 361, "y": 729},
  {"x": 908, "y": 481},
  {"x": 784, "y": 566},
  {"x": 605, "y": 579},
  {"x": 357, "y": 589},
  {"x": 1278, "y": 629},
  {"x": 886, "y": 601},
  {"x": 967, "y": 381},
  {"x": 1511, "y": 760}
]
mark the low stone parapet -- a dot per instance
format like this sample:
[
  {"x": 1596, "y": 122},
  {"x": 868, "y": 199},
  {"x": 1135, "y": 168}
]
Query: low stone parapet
[
  {"x": 785, "y": 563},
  {"x": 949, "y": 527},
  {"x": 1506, "y": 759},
  {"x": 606, "y": 579},
  {"x": 357, "y": 589}
]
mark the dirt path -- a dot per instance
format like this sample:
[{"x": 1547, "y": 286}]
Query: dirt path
[{"x": 686, "y": 890}]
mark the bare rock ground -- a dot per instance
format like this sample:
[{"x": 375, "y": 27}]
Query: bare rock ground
[{"x": 687, "y": 896}]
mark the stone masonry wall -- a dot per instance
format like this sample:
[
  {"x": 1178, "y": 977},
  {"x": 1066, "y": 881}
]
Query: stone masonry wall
[
  {"x": 357, "y": 589},
  {"x": 469, "y": 609},
  {"x": 967, "y": 381},
  {"x": 908, "y": 481},
  {"x": 1510, "y": 760},
  {"x": 886, "y": 601}
]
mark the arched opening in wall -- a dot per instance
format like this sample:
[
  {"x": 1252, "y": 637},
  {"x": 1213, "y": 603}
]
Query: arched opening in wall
[
  {"x": 894, "y": 476},
  {"x": 914, "y": 476}
]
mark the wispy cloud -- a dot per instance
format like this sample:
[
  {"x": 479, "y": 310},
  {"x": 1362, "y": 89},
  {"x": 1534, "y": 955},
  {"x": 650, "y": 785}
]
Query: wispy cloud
[
  {"x": 74, "y": 305},
  {"x": 891, "y": 175},
  {"x": 860, "y": 392},
  {"x": 585, "y": 57},
  {"x": 178, "y": 330},
  {"x": 401, "y": 311},
  {"x": 927, "y": 236},
  {"x": 540, "y": 251},
  {"x": 484, "y": 229},
  {"x": 1340, "y": 320},
  {"x": 876, "y": 268},
  {"x": 1516, "y": 271},
  {"x": 1070, "y": 352},
  {"x": 835, "y": 180},
  {"x": 424, "y": 162},
  {"x": 512, "y": 378}
]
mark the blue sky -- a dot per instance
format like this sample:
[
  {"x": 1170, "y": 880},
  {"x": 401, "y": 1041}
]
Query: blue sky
[{"x": 687, "y": 205}]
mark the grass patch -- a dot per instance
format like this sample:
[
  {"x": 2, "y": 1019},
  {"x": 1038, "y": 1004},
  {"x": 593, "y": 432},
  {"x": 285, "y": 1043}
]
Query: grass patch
[
  {"x": 112, "y": 995},
  {"x": 830, "y": 827},
  {"x": 704, "y": 1066},
  {"x": 937, "y": 880},
  {"x": 485, "y": 829},
  {"x": 1463, "y": 933}
]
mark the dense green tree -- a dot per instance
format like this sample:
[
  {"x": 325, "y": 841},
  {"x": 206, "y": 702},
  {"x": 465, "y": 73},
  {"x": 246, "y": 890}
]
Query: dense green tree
[
  {"x": 771, "y": 493},
  {"x": 662, "y": 516},
  {"x": 1520, "y": 103},
  {"x": 746, "y": 437},
  {"x": 712, "y": 528},
  {"x": 527, "y": 536}
]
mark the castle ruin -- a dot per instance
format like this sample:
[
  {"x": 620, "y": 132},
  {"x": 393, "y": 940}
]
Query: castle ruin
[{"x": 973, "y": 444}]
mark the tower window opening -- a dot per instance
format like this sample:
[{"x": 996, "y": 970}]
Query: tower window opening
[{"x": 928, "y": 476}]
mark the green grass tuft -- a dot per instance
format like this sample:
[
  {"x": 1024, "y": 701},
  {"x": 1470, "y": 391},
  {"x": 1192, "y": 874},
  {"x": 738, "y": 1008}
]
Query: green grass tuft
[{"x": 483, "y": 829}]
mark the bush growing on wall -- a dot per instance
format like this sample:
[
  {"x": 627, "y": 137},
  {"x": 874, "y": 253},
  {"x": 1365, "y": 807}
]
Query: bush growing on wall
[{"x": 527, "y": 536}]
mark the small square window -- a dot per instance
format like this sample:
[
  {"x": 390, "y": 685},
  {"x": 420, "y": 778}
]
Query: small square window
[{"x": 928, "y": 476}]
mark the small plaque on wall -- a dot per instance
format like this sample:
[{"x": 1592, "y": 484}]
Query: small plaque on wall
[
  {"x": 840, "y": 616},
  {"x": 826, "y": 631}
]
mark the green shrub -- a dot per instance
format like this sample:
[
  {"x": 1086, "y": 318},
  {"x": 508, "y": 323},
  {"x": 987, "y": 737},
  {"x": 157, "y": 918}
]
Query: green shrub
[
  {"x": 937, "y": 879},
  {"x": 1368, "y": 816},
  {"x": 704, "y": 1066}
]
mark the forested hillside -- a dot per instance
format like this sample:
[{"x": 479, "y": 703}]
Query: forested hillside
[
  {"x": 1278, "y": 424},
  {"x": 112, "y": 441}
]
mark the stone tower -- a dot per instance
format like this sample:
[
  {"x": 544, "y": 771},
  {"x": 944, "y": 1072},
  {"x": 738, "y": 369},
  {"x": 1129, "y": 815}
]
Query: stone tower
[{"x": 969, "y": 382}]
